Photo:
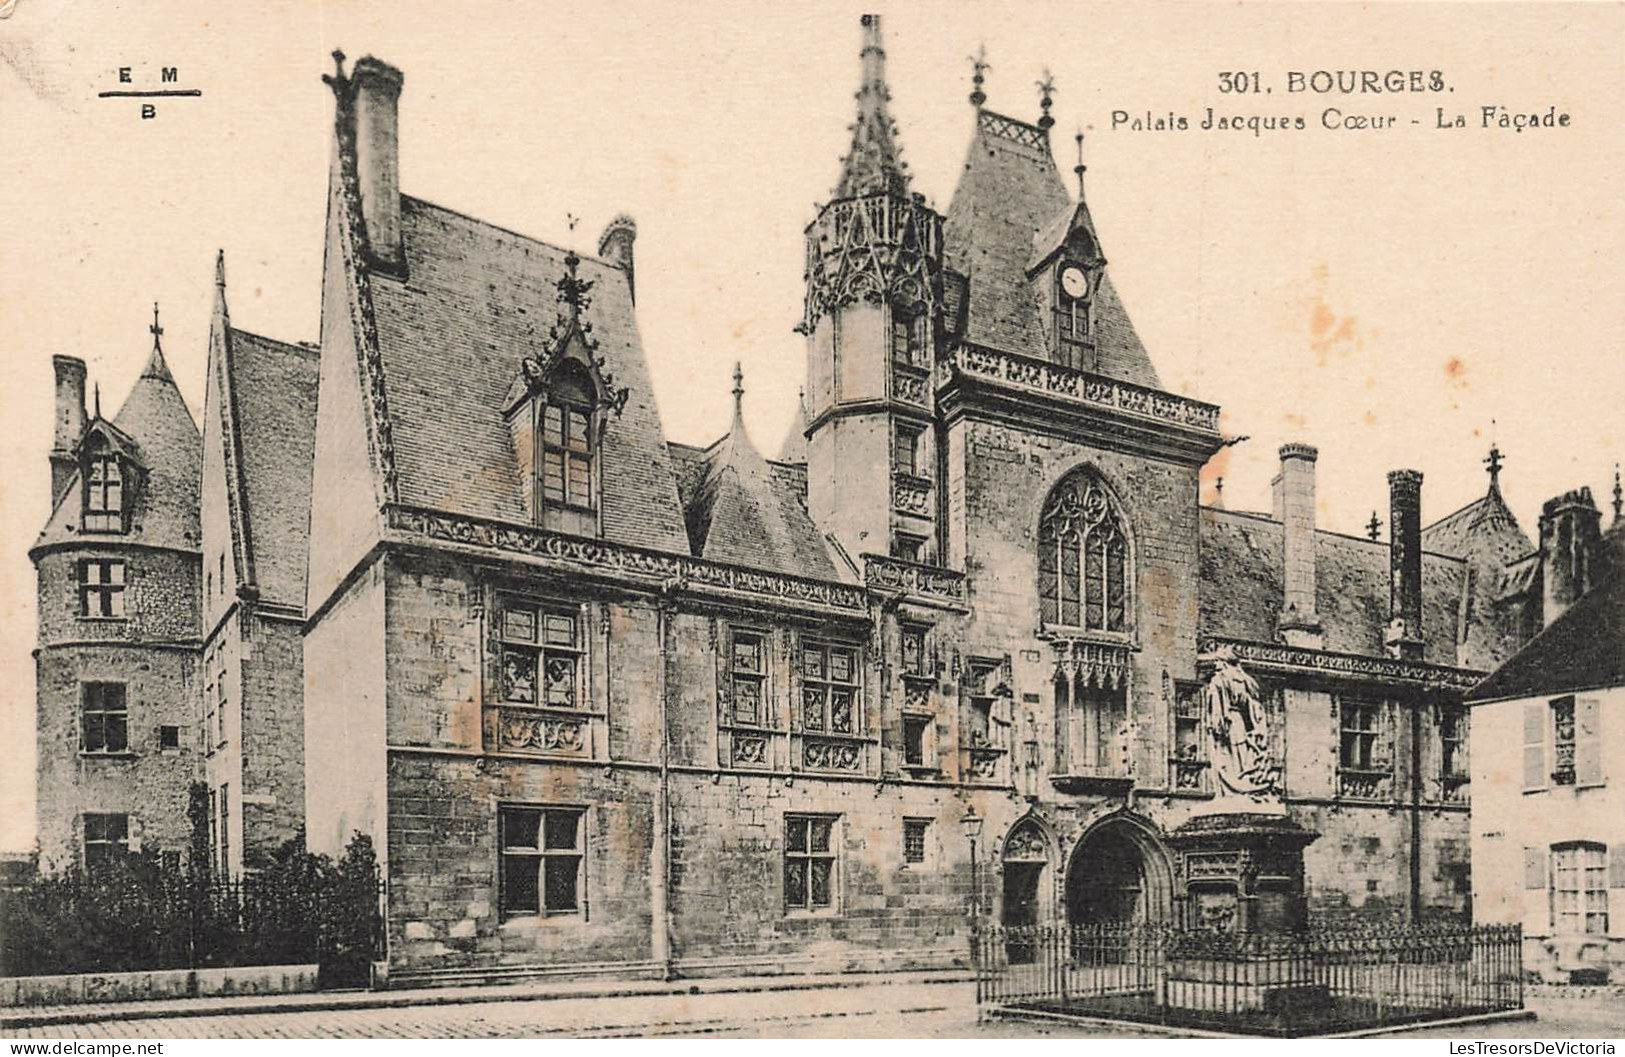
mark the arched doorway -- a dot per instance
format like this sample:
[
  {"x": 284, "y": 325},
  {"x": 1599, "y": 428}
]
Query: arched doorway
[
  {"x": 1119, "y": 874},
  {"x": 1025, "y": 867}
]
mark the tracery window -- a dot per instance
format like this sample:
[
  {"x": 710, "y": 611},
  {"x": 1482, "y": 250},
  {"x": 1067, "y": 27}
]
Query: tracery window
[{"x": 1083, "y": 559}]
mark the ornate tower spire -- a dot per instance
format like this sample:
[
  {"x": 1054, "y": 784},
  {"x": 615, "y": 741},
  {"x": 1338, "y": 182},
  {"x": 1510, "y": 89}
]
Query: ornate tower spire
[{"x": 873, "y": 165}]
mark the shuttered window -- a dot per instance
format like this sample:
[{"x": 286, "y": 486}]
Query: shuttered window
[
  {"x": 1534, "y": 745},
  {"x": 1588, "y": 767},
  {"x": 1534, "y": 868}
]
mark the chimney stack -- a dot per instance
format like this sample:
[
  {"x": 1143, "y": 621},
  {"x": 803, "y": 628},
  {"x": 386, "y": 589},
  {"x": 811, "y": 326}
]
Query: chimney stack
[
  {"x": 376, "y": 88},
  {"x": 1570, "y": 537},
  {"x": 1404, "y": 638},
  {"x": 1295, "y": 509},
  {"x": 615, "y": 246},
  {"x": 70, "y": 422}
]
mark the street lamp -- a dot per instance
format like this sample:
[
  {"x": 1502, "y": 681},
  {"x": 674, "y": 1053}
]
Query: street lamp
[{"x": 973, "y": 829}]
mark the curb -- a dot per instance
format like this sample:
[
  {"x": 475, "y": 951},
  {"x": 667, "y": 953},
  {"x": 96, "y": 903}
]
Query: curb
[{"x": 340, "y": 1000}]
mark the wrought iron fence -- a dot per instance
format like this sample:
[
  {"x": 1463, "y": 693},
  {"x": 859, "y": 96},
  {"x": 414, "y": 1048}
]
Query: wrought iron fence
[{"x": 1302, "y": 983}]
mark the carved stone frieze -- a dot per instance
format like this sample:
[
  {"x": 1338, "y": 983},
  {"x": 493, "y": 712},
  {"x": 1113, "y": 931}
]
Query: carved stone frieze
[
  {"x": 913, "y": 578},
  {"x": 829, "y": 755}
]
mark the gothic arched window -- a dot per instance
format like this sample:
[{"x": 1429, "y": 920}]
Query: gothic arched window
[
  {"x": 567, "y": 440},
  {"x": 1085, "y": 579}
]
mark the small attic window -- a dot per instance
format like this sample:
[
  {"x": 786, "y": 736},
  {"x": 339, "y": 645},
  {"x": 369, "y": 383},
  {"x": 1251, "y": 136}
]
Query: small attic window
[
  {"x": 104, "y": 493},
  {"x": 567, "y": 442}
]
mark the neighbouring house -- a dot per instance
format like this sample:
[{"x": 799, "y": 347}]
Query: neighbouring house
[{"x": 1548, "y": 818}]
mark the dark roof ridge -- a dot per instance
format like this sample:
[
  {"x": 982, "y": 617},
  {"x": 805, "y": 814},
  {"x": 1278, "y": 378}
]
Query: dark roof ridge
[{"x": 1259, "y": 516}]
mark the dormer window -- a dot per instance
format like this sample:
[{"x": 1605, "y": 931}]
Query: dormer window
[
  {"x": 1075, "y": 339},
  {"x": 567, "y": 441},
  {"x": 104, "y": 494}
]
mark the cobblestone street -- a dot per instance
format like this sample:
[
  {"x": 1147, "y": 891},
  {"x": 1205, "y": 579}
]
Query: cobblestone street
[{"x": 877, "y": 1011}]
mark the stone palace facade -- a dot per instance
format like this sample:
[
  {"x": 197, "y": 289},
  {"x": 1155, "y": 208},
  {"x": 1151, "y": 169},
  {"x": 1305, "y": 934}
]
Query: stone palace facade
[{"x": 606, "y": 701}]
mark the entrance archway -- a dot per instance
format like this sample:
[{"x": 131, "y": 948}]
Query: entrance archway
[
  {"x": 1119, "y": 874},
  {"x": 1025, "y": 866}
]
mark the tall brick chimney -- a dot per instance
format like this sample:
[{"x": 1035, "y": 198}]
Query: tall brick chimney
[
  {"x": 1404, "y": 637},
  {"x": 1294, "y": 490},
  {"x": 70, "y": 422},
  {"x": 615, "y": 246},
  {"x": 377, "y": 91},
  {"x": 1570, "y": 539}
]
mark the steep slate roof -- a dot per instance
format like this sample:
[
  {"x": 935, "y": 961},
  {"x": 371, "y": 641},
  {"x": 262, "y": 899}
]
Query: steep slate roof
[
  {"x": 1241, "y": 590},
  {"x": 274, "y": 387},
  {"x": 1485, "y": 527},
  {"x": 794, "y": 446},
  {"x": 476, "y": 301},
  {"x": 1009, "y": 201},
  {"x": 1583, "y": 649},
  {"x": 165, "y": 511},
  {"x": 740, "y": 509}
]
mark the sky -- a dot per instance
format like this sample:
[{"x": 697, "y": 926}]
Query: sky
[{"x": 1397, "y": 297}]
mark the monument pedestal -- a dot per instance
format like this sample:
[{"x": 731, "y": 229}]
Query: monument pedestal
[{"x": 1241, "y": 877}]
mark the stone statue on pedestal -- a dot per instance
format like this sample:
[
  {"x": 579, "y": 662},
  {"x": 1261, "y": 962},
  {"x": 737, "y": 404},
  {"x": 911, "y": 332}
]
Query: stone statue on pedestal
[{"x": 1237, "y": 722}]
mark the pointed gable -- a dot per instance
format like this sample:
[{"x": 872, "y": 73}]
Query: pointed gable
[
  {"x": 1010, "y": 216},
  {"x": 155, "y": 431},
  {"x": 742, "y": 510}
]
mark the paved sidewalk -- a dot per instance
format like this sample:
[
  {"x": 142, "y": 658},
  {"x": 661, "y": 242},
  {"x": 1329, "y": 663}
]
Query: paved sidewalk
[{"x": 533, "y": 991}]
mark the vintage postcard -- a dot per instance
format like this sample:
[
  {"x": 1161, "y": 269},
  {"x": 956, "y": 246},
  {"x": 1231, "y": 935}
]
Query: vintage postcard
[{"x": 997, "y": 520}]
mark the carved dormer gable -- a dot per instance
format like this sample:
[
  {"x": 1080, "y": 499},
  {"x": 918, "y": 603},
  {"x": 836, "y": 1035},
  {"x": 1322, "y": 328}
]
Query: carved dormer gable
[{"x": 558, "y": 408}]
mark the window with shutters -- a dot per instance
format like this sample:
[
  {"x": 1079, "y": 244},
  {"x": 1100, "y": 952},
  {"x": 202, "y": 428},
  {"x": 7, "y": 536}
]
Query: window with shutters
[
  {"x": 810, "y": 860},
  {"x": 1580, "y": 889},
  {"x": 542, "y": 853},
  {"x": 104, "y": 718}
]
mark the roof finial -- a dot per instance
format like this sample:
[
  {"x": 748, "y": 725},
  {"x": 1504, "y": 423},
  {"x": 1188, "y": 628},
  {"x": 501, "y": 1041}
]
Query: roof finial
[
  {"x": 220, "y": 268},
  {"x": 1619, "y": 496},
  {"x": 573, "y": 290},
  {"x": 1046, "y": 89},
  {"x": 1218, "y": 494},
  {"x": 97, "y": 405},
  {"x": 739, "y": 391},
  {"x": 1494, "y": 461},
  {"x": 1373, "y": 528},
  {"x": 156, "y": 330},
  {"x": 1080, "y": 168},
  {"x": 979, "y": 66},
  {"x": 872, "y": 165}
]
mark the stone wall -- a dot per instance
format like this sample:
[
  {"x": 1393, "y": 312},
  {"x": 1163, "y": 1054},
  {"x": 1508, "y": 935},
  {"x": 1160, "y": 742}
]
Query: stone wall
[{"x": 273, "y": 718}]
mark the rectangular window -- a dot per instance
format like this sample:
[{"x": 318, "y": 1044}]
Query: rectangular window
[
  {"x": 829, "y": 688},
  {"x": 541, "y": 656},
  {"x": 101, "y": 588},
  {"x": 104, "y": 495},
  {"x": 105, "y": 717},
  {"x": 916, "y": 659},
  {"x": 914, "y": 831},
  {"x": 915, "y": 729},
  {"x": 1580, "y": 889},
  {"x": 908, "y": 339},
  {"x": 1453, "y": 743},
  {"x": 907, "y": 547},
  {"x": 907, "y": 453},
  {"x": 169, "y": 737},
  {"x": 219, "y": 731},
  {"x": 1362, "y": 726},
  {"x": 747, "y": 663},
  {"x": 809, "y": 861},
  {"x": 542, "y": 853},
  {"x": 1563, "y": 741},
  {"x": 567, "y": 456},
  {"x": 107, "y": 837}
]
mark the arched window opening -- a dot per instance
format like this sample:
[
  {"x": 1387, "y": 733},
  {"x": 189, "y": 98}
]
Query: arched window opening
[{"x": 1083, "y": 559}]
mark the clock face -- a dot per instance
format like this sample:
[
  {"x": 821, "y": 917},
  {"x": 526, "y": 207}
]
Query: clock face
[{"x": 1074, "y": 281}]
